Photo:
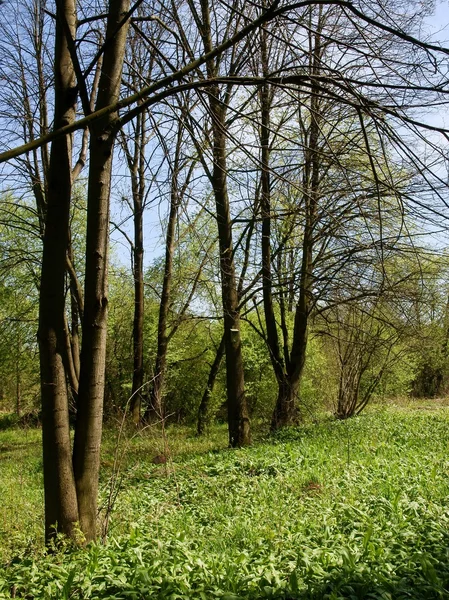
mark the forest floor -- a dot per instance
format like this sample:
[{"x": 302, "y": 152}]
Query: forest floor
[{"x": 355, "y": 509}]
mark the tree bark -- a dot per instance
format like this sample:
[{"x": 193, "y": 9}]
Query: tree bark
[
  {"x": 61, "y": 507},
  {"x": 137, "y": 169},
  {"x": 139, "y": 309},
  {"x": 238, "y": 415},
  {"x": 86, "y": 453}
]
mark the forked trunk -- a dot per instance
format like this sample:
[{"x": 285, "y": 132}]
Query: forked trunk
[
  {"x": 61, "y": 507},
  {"x": 86, "y": 452},
  {"x": 285, "y": 412}
]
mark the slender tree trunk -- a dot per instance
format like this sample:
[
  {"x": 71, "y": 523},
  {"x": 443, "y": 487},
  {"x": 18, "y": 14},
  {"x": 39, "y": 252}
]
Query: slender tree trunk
[
  {"x": 156, "y": 394},
  {"x": 86, "y": 456},
  {"x": 137, "y": 169},
  {"x": 284, "y": 411},
  {"x": 61, "y": 507},
  {"x": 238, "y": 415},
  {"x": 139, "y": 309},
  {"x": 272, "y": 338},
  {"x": 68, "y": 362},
  {"x": 75, "y": 340},
  {"x": 72, "y": 336},
  {"x": 76, "y": 311},
  {"x": 203, "y": 410}
]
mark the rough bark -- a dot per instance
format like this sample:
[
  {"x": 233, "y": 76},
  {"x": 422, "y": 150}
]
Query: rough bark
[
  {"x": 86, "y": 454},
  {"x": 61, "y": 508}
]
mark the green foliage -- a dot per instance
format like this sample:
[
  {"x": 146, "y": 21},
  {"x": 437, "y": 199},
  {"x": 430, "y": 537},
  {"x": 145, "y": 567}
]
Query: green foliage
[
  {"x": 430, "y": 327},
  {"x": 398, "y": 378},
  {"x": 318, "y": 387},
  {"x": 191, "y": 351},
  {"x": 21, "y": 491},
  {"x": 260, "y": 383},
  {"x": 353, "y": 509},
  {"x": 20, "y": 263},
  {"x": 20, "y": 248},
  {"x": 119, "y": 356}
]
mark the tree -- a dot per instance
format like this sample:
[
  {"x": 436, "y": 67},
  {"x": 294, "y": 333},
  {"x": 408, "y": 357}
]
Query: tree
[
  {"x": 369, "y": 74},
  {"x": 180, "y": 169},
  {"x": 71, "y": 488},
  {"x": 366, "y": 346},
  {"x": 238, "y": 417},
  {"x": 288, "y": 366}
]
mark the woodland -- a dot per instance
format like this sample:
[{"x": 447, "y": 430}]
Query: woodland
[{"x": 224, "y": 299}]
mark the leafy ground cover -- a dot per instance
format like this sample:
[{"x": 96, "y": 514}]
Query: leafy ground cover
[{"x": 355, "y": 509}]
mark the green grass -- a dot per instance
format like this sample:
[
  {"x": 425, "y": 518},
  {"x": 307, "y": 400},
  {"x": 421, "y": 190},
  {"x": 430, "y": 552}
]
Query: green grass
[{"x": 355, "y": 509}]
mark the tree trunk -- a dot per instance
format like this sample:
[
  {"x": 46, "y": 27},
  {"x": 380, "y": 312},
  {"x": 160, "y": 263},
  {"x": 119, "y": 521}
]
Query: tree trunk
[
  {"x": 137, "y": 169},
  {"x": 136, "y": 401},
  {"x": 283, "y": 412},
  {"x": 287, "y": 379},
  {"x": 156, "y": 405},
  {"x": 238, "y": 416},
  {"x": 86, "y": 452},
  {"x": 76, "y": 310},
  {"x": 61, "y": 507},
  {"x": 203, "y": 410}
]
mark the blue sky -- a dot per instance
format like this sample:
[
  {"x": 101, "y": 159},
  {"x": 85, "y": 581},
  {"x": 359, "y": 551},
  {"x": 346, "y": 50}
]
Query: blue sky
[{"x": 439, "y": 22}]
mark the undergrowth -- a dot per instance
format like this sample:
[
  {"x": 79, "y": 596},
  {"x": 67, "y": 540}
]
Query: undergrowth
[{"x": 354, "y": 509}]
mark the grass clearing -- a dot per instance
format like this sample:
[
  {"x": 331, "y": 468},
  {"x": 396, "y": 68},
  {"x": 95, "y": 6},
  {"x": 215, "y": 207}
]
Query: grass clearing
[{"x": 355, "y": 509}]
